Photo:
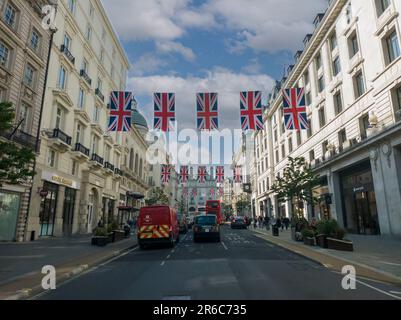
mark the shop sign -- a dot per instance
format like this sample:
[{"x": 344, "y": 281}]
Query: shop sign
[
  {"x": 359, "y": 189},
  {"x": 48, "y": 176}
]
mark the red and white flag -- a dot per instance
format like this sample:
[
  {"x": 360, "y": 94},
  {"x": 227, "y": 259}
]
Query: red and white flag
[
  {"x": 184, "y": 174},
  {"x": 166, "y": 173},
  {"x": 220, "y": 174},
  {"x": 202, "y": 174},
  {"x": 251, "y": 110},
  {"x": 164, "y": 108},
  {"x": 238, "y": 174}
]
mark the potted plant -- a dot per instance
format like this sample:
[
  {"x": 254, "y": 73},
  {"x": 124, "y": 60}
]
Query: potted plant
[
  {"x": 100, "y": 237},
  {"x": 336, "y": 240},
  {"x": 117, "y": 234},
  {"x": 323, "y": 230},
  {"x": 308, "y": 236}
]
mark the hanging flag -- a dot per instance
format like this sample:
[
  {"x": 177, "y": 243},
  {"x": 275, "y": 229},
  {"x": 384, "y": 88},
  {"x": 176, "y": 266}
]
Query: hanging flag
[
  {"x": 251, "y": 111},
  {"x": 221, "y": 192},
  {"x": 220, "y": 174},
  {"x": 207, "y": 111},
  {"x": 294, "y": 107},
  {"x": 166, "y": 173},
  {"x": 238, "y": 174},
  {"x": 202, "y": 174},
  {"x": 212, "y": 193},
  {"x": 194, "y": 192},
  {"x": 184, "y": 174},
  {"x": 120, "y": 111},
  {"x": 164, "y": 105}
]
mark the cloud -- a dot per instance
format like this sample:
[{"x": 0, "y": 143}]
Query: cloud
[
  {"x": 254, "y": 67},
  {"x": 147, "y": 63},
  {"x": 175, "y": 47}
]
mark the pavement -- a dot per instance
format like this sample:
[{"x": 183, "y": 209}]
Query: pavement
[
  {"x": 245, "y": 265},
  {"x": 21, "y": 263},
  {"x": 373, "y": 257}
]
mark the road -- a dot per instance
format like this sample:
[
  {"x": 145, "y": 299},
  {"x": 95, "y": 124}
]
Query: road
[{"x": 242, "y": 267}]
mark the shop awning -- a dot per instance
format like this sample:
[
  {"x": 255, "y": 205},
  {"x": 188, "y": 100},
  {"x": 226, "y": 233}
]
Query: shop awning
[
  {"x": 127, "y": 208},
  {"x": 135, "y": 195}
]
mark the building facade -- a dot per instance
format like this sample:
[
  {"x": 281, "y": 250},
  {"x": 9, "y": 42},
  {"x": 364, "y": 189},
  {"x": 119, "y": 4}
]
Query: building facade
[
  {"x": 84, "y": 173},
  {"x": 350, "y": 68},
  {"x": 24, "y": 47}
]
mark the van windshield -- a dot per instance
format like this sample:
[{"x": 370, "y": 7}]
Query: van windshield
[{"x": 205, "y": 220}]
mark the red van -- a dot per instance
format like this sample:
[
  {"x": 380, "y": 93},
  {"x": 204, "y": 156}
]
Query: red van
[{"x": 158, "y": 225}]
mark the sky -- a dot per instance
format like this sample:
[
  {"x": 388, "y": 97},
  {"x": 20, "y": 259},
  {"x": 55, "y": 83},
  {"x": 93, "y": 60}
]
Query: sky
[{"x": 224, "y": 46}]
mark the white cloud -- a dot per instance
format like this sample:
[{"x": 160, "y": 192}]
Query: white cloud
[
  {"x": 175, "y": 47},
  {"x": 254, "y": 67},
  {"x": 147, "y": 63}
]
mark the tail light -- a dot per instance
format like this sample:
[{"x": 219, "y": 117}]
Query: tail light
[{"x": 196, "y": 229}]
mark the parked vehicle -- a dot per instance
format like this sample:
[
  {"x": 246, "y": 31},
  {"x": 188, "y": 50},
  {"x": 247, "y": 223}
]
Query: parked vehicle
[
  {"x": 157, "y": 225},
  {"x": 206, "y": 227},
  {"x": 239, "y": 223},
  {"x": 183, "y": 224}
]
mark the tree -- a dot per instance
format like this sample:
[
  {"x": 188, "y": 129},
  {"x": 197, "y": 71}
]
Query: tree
[
  {"x": 227, "y": 210},
  {"x": 157, "y": 196},
  {"x": 243, "y": 205},
  {"x": 296, "y": 184},
  {"x": 15, "y": 161}
]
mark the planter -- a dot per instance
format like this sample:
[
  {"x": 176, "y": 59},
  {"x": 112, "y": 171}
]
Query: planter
[
  {"x": 118, "y": 235},
  {"x": 340, "y": 245},
  {"x": 309, "y": 241},
  {"x": 100, "y": 241},
  {"x": 110, "y": 237},
  {"x": 321, "y": 241}
]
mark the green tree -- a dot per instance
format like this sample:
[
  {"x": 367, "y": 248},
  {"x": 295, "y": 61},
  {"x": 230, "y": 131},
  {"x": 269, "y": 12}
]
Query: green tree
[
  {"x": 15, "y": 161},
  {"x": 157, "y": 196},
  {"x": 227, "y": 210},
  {"x": 296, "y": 184},
  {"x": 243, "y": 206}
]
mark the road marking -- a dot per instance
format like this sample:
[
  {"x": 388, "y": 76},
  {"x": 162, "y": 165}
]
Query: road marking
[
  {"x": 391, "y": 264},
  {"x": 328, "y": 266},
  {"x": 172, "y": 251},
  {"x": 168, "y": 257},
  {"x": 224, "y": 245},
  {"x": 395, "y": 292},
  {"x": 378, "y": 290},
  {"x": 162, "y": 264}
]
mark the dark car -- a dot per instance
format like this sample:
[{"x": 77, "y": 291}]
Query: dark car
[
  {"x": 239, "y": 223},
  {"x": 206, "y": 227}
]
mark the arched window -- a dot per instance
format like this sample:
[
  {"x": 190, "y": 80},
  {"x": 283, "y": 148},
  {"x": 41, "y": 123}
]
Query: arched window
[
  {"x": 136, "y": 163},
  {"x": 131, "y": 159}
]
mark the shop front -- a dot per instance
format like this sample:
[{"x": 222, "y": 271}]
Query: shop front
[
  {"x": 9, "y": 210},
  {"x": 322, "y": 207},
  {"x": 359, "y": 200}
]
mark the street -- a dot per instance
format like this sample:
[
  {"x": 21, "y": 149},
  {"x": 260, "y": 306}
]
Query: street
[{"x": 242, "y": 267}]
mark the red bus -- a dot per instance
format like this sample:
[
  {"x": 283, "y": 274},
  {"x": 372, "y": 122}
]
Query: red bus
[{"x": 214, "y": 207}]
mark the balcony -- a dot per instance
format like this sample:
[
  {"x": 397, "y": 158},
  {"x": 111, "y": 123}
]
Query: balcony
[
  {"x": 60, "y": 140},
  {"x": 22, "y": 138},
  {"x": 99, "y": 94},
  {"x": 85, "y": 76},
  {"x": 118, "y": 172},
  {"x": 81, "y": 153},
  {"x": 67, "y": 53},
  {"x": 96, "y": 161},
  {"x": 109, "y": 168}
]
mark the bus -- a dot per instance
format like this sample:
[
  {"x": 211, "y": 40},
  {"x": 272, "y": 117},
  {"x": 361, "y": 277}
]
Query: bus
[{"x": 214, "y": 207}]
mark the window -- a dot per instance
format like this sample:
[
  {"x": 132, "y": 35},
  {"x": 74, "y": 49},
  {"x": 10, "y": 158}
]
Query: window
[
  {"x": 95, "y": 142},
  {"x": 338, "y": 103},
  {"x": 321, "y": 84},
  {"x": 25, "y": 117},
  {"x": 359, "y": 85},
  {"x": 290, "y": 145},
  {"x": 85, "y": 65},
  {"x": 4, "y": 55},
  {"x": 325, "y": 145},
  {"x": 397, "y": 103},
  {"x": 91, "y": 10},
  {"x": 74, "y": 168},
  {"x": 29, "y": 76},
  {"x": 101, "y": 55},
  {"x": 306, "y": 78},
  {"x": 99, "y": 84},
  {"x": 299, "y": 138},
  {"x": 283, "y": 150},
  {"x": 309, "y": 131},
  {"x": 322, "y": 117},
  {"x": 381, "y": 6},
  {"x": 81, "y": 98},
  {"x": 319, "y": 61},
  {"x": 275, "y": 135},
  {"x": 71, "y": 6},
  {"x": 67, "y": 42},
  {"x": 353, "y": 45},
  {"x": 336, "y": 66},
  {"x": 392, "y": 47},
  {"x": 51, "y": 159},
  {"x": 78, "y": 133},
  {"x": 333, "y": 41},
  {"x": 96, "y": 114},
  {"x": 311, "y": 155},
  {"x": 59, "y": 118},
  {"x": 277, "y": 157},
  {"x": 10, "y": 15},
  {"x": 88, "y": 32},
  {"x": 35, "y": 40},
  {"x": 308, "y": 99},
  {"x": 62, "y": 78},
  {"x": 364, "y": 125},
  {"x": 342, "y": 138},
  {"x": 107, "y": 154}
]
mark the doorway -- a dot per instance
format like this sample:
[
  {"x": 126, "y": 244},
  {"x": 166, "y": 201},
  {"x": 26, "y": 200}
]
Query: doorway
[
  {"x": 48, "y": 208},
  {"x": 366, "y": 213},
  {"x": 68, "y": 212}
]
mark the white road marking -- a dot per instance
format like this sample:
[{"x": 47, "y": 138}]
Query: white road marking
[
  {"x": 391, "y": 264},
  {"x": 162, "y": 264},
  {"x": 224, "y": 245},
  {"x": 378, "y": 290},
  {"x": 395, "y": 292},
  {"x": 168, "y": 257},
  {"x": 327, "y": 265}
]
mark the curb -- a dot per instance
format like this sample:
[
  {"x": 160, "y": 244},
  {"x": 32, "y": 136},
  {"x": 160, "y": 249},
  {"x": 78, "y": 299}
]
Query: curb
[
  {"x": 27, "y": 293},
  {"x": 390, "y": 278}
]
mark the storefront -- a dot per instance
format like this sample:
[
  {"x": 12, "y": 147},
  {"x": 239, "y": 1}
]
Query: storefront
[
  {"x": 68, "y": 211},
  {"x": 322, "y": 206},
  {"x": 359, "y": 200},
  {"x": 48, "y": 208},
  {"x": 9, "y": 209}
]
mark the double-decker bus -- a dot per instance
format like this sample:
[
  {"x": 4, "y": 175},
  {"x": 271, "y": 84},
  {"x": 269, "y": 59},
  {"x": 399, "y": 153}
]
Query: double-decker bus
[{"x": 214, "y": 207}]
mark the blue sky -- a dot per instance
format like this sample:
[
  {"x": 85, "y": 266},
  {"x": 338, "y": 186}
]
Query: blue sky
[{"x": 224, "y": 46}]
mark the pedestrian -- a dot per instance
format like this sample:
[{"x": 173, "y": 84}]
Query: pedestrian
[
  {"x": 278, "y": 223},
  {"x": 282, "y": 223},
  {"x": 267, "y": 221},
  {"x": 286, "y": 223},
  {"x": 260, "y": 222},
  {"x": 255, "y": 223}
]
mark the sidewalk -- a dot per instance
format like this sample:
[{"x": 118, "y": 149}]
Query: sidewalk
[
  {"x": 373, "y": 257},
  {"x": 21, "y": 263}
]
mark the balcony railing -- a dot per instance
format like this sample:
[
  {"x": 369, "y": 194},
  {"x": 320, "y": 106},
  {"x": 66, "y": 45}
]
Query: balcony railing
[
  {"x": 80, "y": 148},
  {"x": 97, "y": 158},
  {"x": 60, "y": 135},
  {"x": 84, "y": 75},
  {"x": 99, "y": 94},
  {"x": 21, "y": 138},
  {"x": 118, "y": 172},
  {"x": 67, "y": 53},
  {"x": 109, "y": 166}
]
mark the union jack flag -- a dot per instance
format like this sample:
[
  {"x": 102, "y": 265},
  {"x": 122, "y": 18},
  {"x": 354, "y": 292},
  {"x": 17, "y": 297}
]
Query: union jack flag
[
  {"x": 219, "y": 174},
  {"x": 294, "y": 107},
  {"x": 238, "y": 174},
  {"x": 194, "y": 192},
  {"x": 221, "y": 192},
  {"x": 166, "y": 173},
  {"x": 207, "y": 111},
  {"x": 212, "y": 193},
  {"x": 120, "y": 111},
  {"x": 251, "y": 111},
  {"x": 184, "y": 174},
  {"x": 164, "y": 105},
  {"x": 202, "y": 174}
]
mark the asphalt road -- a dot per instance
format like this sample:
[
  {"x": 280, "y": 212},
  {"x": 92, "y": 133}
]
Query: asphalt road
[{"x": 241, "y": 267}]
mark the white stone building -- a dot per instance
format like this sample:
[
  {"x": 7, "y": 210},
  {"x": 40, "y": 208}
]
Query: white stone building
[{"x": 351, "y": 69}]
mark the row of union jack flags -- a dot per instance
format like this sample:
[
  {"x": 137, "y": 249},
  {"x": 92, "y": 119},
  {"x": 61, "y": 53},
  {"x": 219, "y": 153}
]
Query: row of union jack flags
[
  {"x": 202, "y": 174},
  {"x": 207, "y": 113},
  {"x": 194, "y": 192}
]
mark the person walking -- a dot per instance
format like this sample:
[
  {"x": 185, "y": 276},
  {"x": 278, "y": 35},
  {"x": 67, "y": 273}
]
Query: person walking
[
  {"x": 255, "y": 223},
  {"x": 267, "y": 223},
  {"x": 278, "y": 223},
  {"x": 286, "y": 223}
]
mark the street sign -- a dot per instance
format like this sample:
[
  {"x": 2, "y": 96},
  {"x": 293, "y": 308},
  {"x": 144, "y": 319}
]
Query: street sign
[{"x": 247, "y": 187}]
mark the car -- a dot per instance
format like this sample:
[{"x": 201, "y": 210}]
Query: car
[
  {"x": 238, "y": 223},
  {"x": 206, "y": 227},
  {"x": 183, "y": 224},
  {"x": 157, "y": 225}
]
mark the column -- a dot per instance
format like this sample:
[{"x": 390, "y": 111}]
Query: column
[
  {"x": 58, "y": 221},
  {"x": 77, "y": 209}
]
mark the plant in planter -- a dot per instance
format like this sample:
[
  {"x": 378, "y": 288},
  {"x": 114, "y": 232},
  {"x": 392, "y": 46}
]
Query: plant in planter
[
  {"x": 100, "y": 237},
  {"x": 308, "y": 236},
  {"x": 331, "y": 236}
]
